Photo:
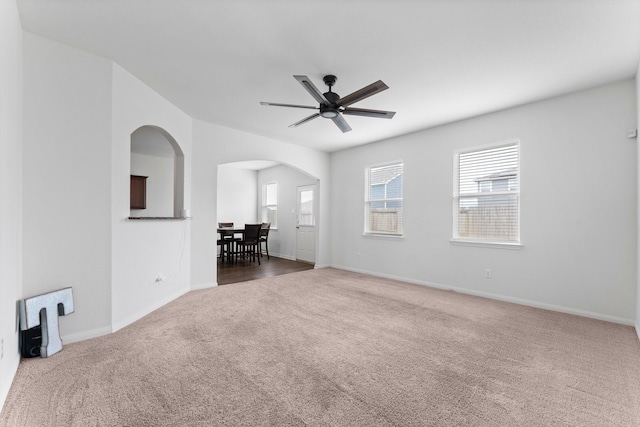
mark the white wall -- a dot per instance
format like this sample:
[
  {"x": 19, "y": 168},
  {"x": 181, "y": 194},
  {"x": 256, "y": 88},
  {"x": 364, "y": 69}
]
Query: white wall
[
  {"x": 637, "y": 319},
  {"x": 79, "y": 113},
  {"x": 160, "y": 171},
  {"x": 214, "y": 145},
  {"x": 144, "y": 250},
  {"x": 10, "y": 190},
  {"x": 282, "y": 241},
  {"x": 237, "y": 195},
  {"x": 578, "y": 217},
  {"x": 66, "y": 181}
]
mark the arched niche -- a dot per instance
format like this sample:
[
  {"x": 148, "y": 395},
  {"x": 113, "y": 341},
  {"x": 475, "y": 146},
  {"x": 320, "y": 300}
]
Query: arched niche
[{"x": 155, "y": 154}]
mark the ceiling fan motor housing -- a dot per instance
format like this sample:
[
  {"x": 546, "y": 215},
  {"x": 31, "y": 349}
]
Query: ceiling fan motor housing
[{"x": 332, "y": 110}]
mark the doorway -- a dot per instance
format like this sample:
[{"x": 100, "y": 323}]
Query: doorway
[{"x": 306, "y": 224}]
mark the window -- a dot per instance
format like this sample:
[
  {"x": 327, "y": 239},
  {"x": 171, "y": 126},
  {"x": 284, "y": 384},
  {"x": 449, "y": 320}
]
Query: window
[
  {"x": 270, "y": 203},
  {"x": 383, "y": 200},
  {"x": 487, "y": 194}
]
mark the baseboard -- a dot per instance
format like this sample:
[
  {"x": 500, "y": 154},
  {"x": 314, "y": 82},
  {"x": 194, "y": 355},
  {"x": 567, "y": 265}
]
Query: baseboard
[
  {"x": 6, "y": 380},
  {"x": 514, "y": 300},
  {"x": 116, "y": 326},
  {"x": 204, "y": 286},
  {"x": 81, "y": 336},
  {"x": 637, "y": 330},
  {"x": 289, "y": 257}
]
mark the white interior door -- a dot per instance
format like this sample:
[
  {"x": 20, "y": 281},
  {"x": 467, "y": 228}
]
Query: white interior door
[{"x": 306, "y": 224}]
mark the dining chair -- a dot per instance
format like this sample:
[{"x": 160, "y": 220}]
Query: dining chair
[
  {"x": 264, "y": 238},
  {"x": 227, "y": 241},
  {"x": 223, "y": 247},
  {"x": 250, "y": 241}
]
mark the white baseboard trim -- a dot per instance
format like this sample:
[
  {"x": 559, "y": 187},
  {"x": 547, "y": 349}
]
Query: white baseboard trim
[
  {"x": 116, "y": 326},
  {"x": 204, "y": 286},
  {"x": 521, "y": 301},
  {"x": 94, "y": 333},
  {"x": 7, "y": 380},
  {"x": 86, "y": 335},
  {"x": 289, "y": 257}
]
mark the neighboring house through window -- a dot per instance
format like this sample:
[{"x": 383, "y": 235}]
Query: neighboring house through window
[
  {"x": 487, "y": 194},
  {"x": 270, "y": 203},
  {"x": 383, "y": 199}
]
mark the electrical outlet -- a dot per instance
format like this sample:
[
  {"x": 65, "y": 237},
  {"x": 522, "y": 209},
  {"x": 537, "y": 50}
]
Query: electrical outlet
[
  {"x": 487, "y": 273},
  {"x": 2, "y": 348},
  {"x": 160, "y": 278}
]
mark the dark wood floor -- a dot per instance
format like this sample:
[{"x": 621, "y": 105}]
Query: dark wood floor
[{"x": 242, "y": 271}]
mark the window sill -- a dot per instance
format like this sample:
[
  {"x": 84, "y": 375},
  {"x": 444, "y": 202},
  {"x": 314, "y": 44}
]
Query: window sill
[
  {"x": 384, "y": 236},
  {"x": 494, "y": 245}
]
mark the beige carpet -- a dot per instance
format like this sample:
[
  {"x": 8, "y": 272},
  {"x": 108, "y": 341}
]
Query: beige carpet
[{"x": 328, "y": 347}]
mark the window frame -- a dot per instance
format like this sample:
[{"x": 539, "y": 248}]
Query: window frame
[
  {"x": 367, "y": 201},
  {"x": 264, "y": 206},
  {"x": 487, "y": 242}
]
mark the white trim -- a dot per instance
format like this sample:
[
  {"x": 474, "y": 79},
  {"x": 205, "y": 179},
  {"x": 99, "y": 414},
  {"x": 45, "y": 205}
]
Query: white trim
[
  {"x": 7, "y": 380},
  {"x": 383, "y": 236},
  {"x": 86, "y": 335},
  {"x": 204, "y": 286},
  {"x": 514, "y": 300},
  {"x": 116, "y": 326},
  {"x": 480, "y": 244}
]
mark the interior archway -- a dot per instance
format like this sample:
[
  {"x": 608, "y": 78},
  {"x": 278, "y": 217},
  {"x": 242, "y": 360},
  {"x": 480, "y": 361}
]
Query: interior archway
[{"x": 240, "y": 187}]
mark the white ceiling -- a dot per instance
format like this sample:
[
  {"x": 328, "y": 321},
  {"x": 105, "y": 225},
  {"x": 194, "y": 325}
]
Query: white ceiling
[{"x": 443, "y": 60}]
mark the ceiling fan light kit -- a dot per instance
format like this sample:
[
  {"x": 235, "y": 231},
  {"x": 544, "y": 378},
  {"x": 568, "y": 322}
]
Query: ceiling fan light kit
[{"x": 331, "y": 105}]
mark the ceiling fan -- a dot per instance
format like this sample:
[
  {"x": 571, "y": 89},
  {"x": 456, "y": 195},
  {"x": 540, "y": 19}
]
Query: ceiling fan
[{"x": 332, "y": 106}]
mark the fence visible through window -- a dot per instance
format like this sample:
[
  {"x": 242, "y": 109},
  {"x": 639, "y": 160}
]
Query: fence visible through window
[
  {"x": 384, "y": 199},
  {"x": 487, "y": 194}
]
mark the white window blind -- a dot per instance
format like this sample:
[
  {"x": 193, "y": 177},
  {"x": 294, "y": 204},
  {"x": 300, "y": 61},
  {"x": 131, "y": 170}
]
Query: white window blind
[
  {"x": 487, "y": 194},
  {"x": 384, "y": 199},
  {"x": 270, "y": 203}
]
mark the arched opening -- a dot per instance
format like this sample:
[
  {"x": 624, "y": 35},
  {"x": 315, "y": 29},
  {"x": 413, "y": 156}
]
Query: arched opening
[{"x": 157, "y": 170}]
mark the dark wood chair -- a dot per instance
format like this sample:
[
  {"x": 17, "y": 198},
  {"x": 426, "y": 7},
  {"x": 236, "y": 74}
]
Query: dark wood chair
[
  {"x": 227, "y": 242},
  {"x": 264, "y": 238},
  {"x": 248, "y": 246}
]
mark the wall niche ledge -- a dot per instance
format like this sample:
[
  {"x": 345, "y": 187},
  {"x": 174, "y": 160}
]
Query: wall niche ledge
[{"x": 159, "y": 218}]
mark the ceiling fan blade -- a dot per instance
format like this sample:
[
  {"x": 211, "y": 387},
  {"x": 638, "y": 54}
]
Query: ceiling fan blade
[
  {"x": 341, "y": 123},
  {"x": 305, "y": 120},
  {"x": 369, "y": 113},
  {"x": 363, "y": 93},
  {"x": 275, "y": 104},
  {"x": 312, "y": 89}
]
